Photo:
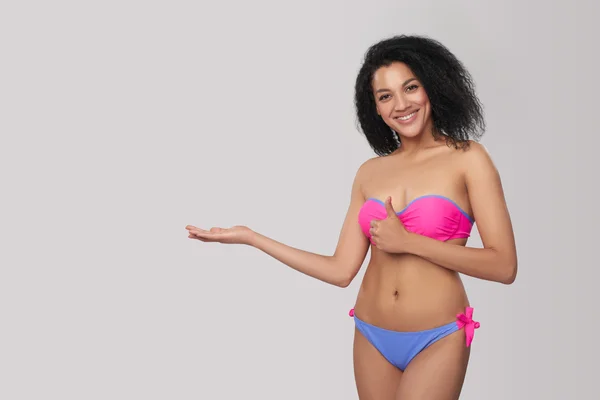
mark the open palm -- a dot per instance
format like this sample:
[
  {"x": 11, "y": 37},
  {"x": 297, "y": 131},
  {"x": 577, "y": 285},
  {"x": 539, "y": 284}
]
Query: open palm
[{"x": 235, "y": 235}]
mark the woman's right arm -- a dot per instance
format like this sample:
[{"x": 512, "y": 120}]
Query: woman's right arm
[{"x": 338, "y": 269}]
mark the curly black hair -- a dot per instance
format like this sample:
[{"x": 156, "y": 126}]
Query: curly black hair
[{"x": 456, "y": 111}]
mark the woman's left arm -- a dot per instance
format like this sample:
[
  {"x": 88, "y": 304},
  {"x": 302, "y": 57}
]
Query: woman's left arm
[{"x": 497, "y": 260}]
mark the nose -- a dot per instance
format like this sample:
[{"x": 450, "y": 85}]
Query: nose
[{"x": 401, "y": 103}]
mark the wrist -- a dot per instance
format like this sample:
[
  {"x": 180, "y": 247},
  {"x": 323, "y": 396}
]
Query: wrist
[
  {"x": 252, "y": 238},
  {"x": 411, "y": 244}
]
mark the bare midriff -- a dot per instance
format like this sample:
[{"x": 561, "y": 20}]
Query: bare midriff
[{"x": 404, "y": 292}]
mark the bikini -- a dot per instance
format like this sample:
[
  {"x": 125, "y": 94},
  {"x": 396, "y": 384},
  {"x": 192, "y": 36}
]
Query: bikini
[{"x": 437, "y": 217}]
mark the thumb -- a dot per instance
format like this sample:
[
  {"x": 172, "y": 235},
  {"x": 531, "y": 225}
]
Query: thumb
[{"x": 388, "y": 206}]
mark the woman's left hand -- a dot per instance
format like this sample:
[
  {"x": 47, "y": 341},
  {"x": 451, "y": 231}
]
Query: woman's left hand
[{"x": 389, "y": 234}]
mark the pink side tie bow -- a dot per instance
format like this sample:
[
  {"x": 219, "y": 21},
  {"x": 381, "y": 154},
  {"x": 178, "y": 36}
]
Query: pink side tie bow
[{"x": 466, "y": 320}]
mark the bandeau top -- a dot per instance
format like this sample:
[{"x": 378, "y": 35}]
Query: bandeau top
[{"x": 434, "y": 216}]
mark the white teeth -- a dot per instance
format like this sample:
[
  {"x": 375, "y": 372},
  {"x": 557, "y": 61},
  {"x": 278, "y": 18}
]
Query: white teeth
[{"x": 406, "y": 117}]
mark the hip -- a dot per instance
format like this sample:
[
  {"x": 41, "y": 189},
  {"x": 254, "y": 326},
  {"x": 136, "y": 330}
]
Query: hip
[{"x": 409, "y": 296}]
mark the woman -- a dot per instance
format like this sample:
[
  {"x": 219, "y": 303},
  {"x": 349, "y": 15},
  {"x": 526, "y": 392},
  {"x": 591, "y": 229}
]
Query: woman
[{"x": 414, "y": 206}]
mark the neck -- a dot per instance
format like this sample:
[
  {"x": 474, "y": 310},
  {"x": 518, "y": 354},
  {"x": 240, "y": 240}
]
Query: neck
[{"x": 413, "y": 145}]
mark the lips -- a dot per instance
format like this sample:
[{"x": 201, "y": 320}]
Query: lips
[{"x": 406, "y": 118}]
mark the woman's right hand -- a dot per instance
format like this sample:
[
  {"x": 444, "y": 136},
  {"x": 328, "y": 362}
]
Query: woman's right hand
[{"x": 235, "y": 235}]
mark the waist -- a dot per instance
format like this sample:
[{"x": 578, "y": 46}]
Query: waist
[{"x": 408, "y": 293}]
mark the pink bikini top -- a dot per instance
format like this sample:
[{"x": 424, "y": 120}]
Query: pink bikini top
[{"x": 431, "y": 215}]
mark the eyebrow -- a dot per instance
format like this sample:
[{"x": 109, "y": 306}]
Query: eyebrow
[{"x": 404, "y": 84}]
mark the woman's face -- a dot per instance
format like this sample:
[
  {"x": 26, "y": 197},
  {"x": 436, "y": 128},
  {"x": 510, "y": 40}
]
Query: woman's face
[{"x": 401, "y": 100}]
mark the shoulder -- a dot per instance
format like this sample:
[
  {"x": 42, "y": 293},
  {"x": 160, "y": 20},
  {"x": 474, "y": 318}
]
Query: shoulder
[
  {"x": 368, "y": 166},
  {"x": 366, "y": 170},
  {"x": 475, "y": 155},
  {"x": 475, "y": 149},
  {"x": 477, "y": 164}
]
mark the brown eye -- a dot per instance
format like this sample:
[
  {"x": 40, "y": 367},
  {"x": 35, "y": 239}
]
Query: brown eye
[
  {"x": 383, "y": 97},
  {"x": 411, "y": 88}
]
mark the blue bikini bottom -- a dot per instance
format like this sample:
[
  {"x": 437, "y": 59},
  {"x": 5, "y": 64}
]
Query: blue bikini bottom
[{"x": 399, "y": 348}]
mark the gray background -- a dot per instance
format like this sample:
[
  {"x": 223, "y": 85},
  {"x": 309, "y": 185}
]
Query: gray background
[{"x": 124, "y": 121}]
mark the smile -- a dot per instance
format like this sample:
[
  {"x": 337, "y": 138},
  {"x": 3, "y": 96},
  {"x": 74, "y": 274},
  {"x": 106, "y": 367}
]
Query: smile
[{"x": 406, "y": 118}]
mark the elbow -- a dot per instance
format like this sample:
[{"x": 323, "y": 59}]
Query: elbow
[
  {"x": 344, "y": 282},
  {"x": 344, "y": 273},
  {"x": 509, "y": 273}
]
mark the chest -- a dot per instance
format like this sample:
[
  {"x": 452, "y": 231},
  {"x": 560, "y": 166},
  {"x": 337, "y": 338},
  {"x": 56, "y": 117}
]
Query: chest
[{"x": 405, "y": 182}]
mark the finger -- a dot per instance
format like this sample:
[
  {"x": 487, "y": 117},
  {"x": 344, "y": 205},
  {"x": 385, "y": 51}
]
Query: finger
[
  {"x": 196, "y": 235},
  {"x": 191, "y": 236},
  {"x": 388, "y": 206},
  {"x": 207, "y": 236},
  {"x": 198, "y": 231},
  {"x": 191, "y": 228},
  {"x": 374, "y": 223}
]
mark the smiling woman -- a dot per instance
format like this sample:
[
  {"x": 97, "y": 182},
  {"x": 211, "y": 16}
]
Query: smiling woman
[
  {"x": 420, "y": 73},
  {"x": 418, "y": 111},
  {"x": 384, "y": 79}
]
